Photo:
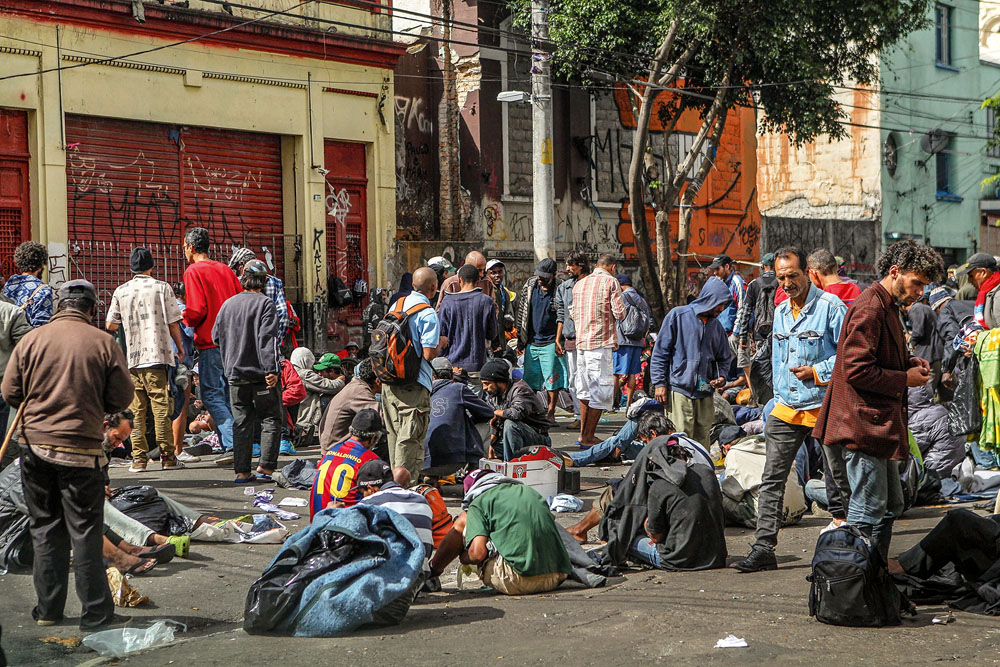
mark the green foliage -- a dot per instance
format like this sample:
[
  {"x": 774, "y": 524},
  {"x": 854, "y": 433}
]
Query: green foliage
[
  {"x": 994, "y": 141},
  {"x": 788, "y": 54}
]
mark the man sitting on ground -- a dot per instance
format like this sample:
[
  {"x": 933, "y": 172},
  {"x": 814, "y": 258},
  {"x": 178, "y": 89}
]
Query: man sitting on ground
[
  {"x": 530, "y": 556},
  {"x": 520, "y": 419},
  {"x": 356, "y": 396},
  {"x": 336, "y": 475},
  {"x": 379, "y": 484},
  {"x": 453, "y": 440}
]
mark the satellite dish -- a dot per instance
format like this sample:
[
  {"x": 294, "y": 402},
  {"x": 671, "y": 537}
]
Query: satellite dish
[{"x": 934, "y": 141}]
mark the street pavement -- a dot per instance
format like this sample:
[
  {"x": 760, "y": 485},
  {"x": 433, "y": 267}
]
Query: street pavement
[{"x": 644, "y": 616}]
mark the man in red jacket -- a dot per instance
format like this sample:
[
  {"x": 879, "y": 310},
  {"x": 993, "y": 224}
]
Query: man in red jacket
[
  {"x": 207, "y": 284},
  {"x": 864, "y": 409}
]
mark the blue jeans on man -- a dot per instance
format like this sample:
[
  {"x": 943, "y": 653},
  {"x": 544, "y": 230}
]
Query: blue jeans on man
[
  {"x": 876, "y": 496},
  {"x": 626, "y": 440},
  {"x": 518, "y": 436},
  {"x": 644, "y": 549},
  {"x": 215, "y": 394}
]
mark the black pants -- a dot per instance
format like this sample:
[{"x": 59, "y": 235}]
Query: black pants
[
  {"x": 255, "y": 404},
  {"x": 969, "y": 541},
  {"x": 66, "y": 508}
]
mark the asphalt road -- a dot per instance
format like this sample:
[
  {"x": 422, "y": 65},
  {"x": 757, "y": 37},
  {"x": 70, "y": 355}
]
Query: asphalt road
[{"x": 644, "y": 616}]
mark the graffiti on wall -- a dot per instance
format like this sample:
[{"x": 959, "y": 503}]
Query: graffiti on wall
[
  {"x": 338, "y": 205},
  {"x": 414, "y": 154}
]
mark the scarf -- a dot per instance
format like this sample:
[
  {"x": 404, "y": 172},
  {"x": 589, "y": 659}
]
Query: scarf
[
  {"x": 484, "y": 484},
  {"x": 980, "y": 308}
]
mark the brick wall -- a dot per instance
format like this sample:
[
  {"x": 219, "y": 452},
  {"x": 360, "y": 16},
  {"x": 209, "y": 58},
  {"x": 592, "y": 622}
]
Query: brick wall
[{"x": 519, "y": 128}]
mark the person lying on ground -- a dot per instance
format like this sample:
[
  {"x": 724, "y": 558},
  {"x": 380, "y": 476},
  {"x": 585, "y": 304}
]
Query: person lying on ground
[
  {"x": 527, "y": 554},
  {"x": 359, "y": 394},
  {"x": 378, "y": 484},
  {"x": 652, "y": 427},
  {"x": 128, "y": 558},
  {"x": 336, "y": 475},
  {"x": 520, "y": 419},
  {"x": 453, "y": 441}
]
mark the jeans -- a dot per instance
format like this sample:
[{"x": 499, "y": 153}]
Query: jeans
[
  {"x": 876, "y": 496},
  {"x": 151, "y": 383},
  {"x": 215, "y": 393},
  {"x": 66, "y": 510},
  {"x": 815, "y": 491},
  {"x": 254, "y": 403},
  {"x": 625, "y": 440},
  {"x": 983, "y": 458},
  {"x": 838, "y": 488},
  {"x": 783, "y": 442},
  {"x": 518, "y": 436},
  {"x": 136, "y": 533},
  {"x": 643, "y": 549}
]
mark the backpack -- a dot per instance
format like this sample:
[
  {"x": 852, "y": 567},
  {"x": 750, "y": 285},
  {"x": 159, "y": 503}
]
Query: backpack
[
  {"x": 17, "y": 553},
  {"x": 851, "y": 584},
  {"x": 635, "y": 324},
  {"x": 395, "y": 359},
  {"x": 763, "y": 313},
  {"x": 441, "y": 517}
]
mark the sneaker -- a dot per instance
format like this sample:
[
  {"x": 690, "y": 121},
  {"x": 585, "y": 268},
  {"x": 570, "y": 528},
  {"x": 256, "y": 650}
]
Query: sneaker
[
  {"x": 46, "y": 622},
  {"x": 286, "y": 448},
  {"x": 833, "y": 525},
  {"x": 172, "y": 465},
  {"x": 819, "y": 512},
  {"x": 225, "y": 459},
  {"x": 187, "y": 458},
  {"x": 137, "y": 467},
  {"x": 758, "y": 560}
]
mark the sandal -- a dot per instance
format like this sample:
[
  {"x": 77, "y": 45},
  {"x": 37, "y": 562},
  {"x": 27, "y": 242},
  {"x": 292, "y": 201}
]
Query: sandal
[
  {"x": 263, "y": 477},
  {"x": 181, "y": 545},
  {"x": 245, "y": 480},
  {"x": 142, "y": 567},
  {"x": 161, "y": 553}
]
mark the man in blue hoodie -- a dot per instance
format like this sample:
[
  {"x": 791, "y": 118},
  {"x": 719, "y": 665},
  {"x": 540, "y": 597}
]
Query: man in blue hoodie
[{"x": 690, "y": 358}]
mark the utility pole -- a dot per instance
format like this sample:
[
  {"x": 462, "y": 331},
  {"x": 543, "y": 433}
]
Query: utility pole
[{"x": 543, "y": 187}]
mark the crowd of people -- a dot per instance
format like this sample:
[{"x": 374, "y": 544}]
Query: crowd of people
[{"x": 813, "y": 384}]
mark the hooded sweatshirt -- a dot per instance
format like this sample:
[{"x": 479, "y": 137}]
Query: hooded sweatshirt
[
  {"x": 690, "y": 353},
  {"x": 317, "y": 386}
]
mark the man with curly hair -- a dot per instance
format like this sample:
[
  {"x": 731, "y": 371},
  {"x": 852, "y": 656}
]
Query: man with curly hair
[
  {"x": 865, "y": 407},
  {"x": 27, "y": 289}
]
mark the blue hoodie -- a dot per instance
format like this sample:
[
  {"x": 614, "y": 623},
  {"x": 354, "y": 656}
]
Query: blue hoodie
[{"x": 689, "y": 352}]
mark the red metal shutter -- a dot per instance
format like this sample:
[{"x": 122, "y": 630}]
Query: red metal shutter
[
  {"x": 232, "y": 187},
  {"x": 15, "y": 215},
  {"x": 347, "y": 219}
]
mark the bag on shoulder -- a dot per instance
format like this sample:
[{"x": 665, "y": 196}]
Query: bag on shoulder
[
  {"x": 394, "y": 356},
  {"x": 17, "y": 553},
  {"x": 636, "y": 324},
  {"x": 441, "y": 517},
  {"x": 851, "y": 584}
]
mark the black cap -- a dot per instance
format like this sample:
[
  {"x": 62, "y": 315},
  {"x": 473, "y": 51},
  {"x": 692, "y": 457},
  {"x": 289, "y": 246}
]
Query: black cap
[
  {"x": 546, "y": 268},
  {"x": 623, "y": 279},
  {"x": 78, "y": 288},
  {"x": 374, "y": 473},
  {"x": 366, "y": 422},
  {"x": 720, "y": 260},
  {"x": 140, "y": 260},
  {"x": 495, "y": 370},
  {"x": 980, "y": 260}
]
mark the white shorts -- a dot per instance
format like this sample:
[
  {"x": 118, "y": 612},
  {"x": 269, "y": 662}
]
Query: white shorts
[{"x": 595, "y": 380}]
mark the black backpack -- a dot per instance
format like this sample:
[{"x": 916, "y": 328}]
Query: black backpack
[
  {"x": 763, "y": 313},
  {"x": 850, "y": 582},
  {"x": 17, "y": 553},
  {"x": 395, "y": 359}
]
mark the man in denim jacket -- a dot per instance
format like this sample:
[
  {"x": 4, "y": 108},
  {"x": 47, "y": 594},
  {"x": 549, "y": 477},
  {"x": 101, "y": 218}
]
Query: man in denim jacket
[{"x": 804, "y": 348}]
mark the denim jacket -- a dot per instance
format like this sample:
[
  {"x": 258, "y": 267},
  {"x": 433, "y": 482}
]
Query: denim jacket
[{"x": 810, "y": 340}]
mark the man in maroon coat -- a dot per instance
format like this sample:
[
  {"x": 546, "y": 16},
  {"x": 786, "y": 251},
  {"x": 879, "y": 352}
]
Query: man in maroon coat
[{"x": 865, "y": 405}]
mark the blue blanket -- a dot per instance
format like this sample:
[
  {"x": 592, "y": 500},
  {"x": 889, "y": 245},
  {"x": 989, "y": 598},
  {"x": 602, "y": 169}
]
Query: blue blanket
[{"x": 352, "y": 595}]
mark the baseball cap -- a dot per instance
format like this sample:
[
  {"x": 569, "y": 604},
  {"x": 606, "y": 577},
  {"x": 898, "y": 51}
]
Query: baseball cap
[
  {"x": 767, "y": 260},
  {"x": 623, "y": 279},
  {"x": 546, "y": 268},
  {"x": 720, "y": 260},
  {"x": 78, "y": 288},
  {"x": 367, "y": 421},
  {"x": 374, "y": 473},
  {"x": 495, "y": 370},
  {"x": 494, "y": 262},
  {"x": 442, "y": 262},
  {"x": 326, "y": 362},
  {"x": 441, "y": 364},
  {"x": 980, "y": 260}
]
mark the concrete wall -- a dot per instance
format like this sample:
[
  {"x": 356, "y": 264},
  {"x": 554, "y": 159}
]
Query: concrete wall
[{"x": 234, "y": 86}]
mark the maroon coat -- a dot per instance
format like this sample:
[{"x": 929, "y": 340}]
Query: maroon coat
[{"x": 865, "y": 404}]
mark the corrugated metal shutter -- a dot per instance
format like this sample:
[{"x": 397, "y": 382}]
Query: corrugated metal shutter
[
  {"x": 15, "y": 218},
  {"x": 347, "y": 219},
  {"x": 132, "y": 183}
]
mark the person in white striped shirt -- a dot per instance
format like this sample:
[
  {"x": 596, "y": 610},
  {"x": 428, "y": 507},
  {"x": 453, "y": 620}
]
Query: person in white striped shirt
[{"x": 379, "y": 484}]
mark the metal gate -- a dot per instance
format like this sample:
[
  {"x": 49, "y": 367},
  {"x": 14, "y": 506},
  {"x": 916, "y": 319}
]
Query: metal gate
[
  {"x": 347, "y": 220},
  {"x": 15, "y": 214},
  {"x": 858, "y": 242}
]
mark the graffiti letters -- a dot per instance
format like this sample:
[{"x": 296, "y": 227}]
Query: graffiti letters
[
  {"x": 221, "y": 182},
  {"x": 319, "y": 264},
  {"x": 411, "y": 116}
]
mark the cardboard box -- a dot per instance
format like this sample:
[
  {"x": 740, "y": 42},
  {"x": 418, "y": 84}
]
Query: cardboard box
[{"x": 542, "y": 476}]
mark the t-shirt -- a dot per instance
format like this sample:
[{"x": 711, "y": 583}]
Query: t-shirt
[
  {"x": 425, "y": 331},
  {"x": 145, "y": 308},
  {"x": 846, "y": 292},
  {"x": 207, "y": 285},
  {"x": 413, "y": 506},
  {"x": 336, "y": 473},
  {"x": 518, "y": 522},
  {"x": 543, "y": 316}
]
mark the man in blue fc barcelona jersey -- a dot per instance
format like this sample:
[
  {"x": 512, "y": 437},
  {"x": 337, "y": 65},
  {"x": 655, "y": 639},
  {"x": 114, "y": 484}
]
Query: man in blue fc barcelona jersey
[{"x": 336, "y": 476}]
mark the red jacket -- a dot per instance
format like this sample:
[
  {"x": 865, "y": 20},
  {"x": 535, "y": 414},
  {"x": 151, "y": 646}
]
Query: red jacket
[
  {"x": 293, "y": 391},
  {"x": 865, "y": 404},
  {"x": 206, "y": 286}
]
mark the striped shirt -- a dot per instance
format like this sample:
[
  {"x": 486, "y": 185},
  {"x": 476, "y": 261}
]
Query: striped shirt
[
  {"x": 597, "y": 305},
  {"x": 411, "y": 505}
]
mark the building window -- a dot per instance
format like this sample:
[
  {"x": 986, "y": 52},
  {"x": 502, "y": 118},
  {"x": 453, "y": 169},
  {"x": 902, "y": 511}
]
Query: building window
[
  {"x": 942, "y": 35},
  {"x": 991, "y": 133},
  {"x": 946, "y": 185},
  {"x": 891, "y": 156}
]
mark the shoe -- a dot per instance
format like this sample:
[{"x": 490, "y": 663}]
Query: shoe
[
  {"x": 256, "y": 449},
  {"x": 116, "y": 619},
  {"x": 46, "y": 622},
  {"x": 181, "y": 544},
  {"x": 818, "y": 511},
  {"x": 833, "y": 525},
  {"x": 567, "y": 461},
  {"x": 137, "y": 467},
  {"x": 573, "y": 425},
  {"x": 432, "y": 584},
  {"x": 758, "y": 560},
  {"x": 286, "y": 448},
  {"x": 172, "y": 465},
  {"x": 225, "y": 459},
  {"x": 187, "y": 458}
]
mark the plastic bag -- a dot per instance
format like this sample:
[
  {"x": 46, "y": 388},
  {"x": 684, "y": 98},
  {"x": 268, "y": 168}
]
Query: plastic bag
[
  {"x": 126, "y": 640},
  {"x": 965, "y": 416}
]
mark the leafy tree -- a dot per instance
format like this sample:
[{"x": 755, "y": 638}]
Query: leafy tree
[{"x": 783, "y": 56}]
